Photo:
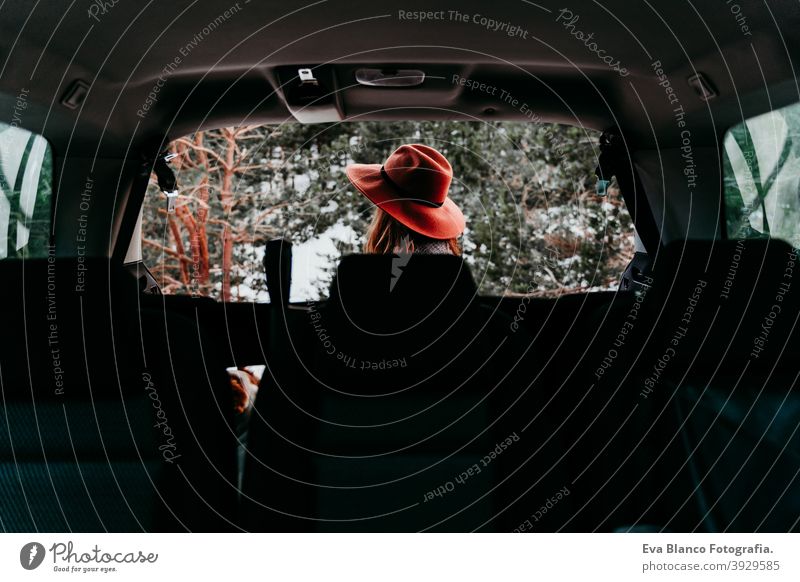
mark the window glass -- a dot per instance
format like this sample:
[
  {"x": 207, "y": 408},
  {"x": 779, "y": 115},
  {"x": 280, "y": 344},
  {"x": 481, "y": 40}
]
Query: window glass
[
  {"x": 762, "y": 176},
  {"x": 534, "y": 222},
  {"x": 26, "y": 175}
]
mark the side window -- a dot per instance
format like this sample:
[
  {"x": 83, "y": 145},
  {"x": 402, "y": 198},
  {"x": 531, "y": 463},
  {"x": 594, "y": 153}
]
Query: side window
[
  {"x": 534, "y": 223},
  {"x": 26, "y": 175},
  {"x": 762, "y": 176}
]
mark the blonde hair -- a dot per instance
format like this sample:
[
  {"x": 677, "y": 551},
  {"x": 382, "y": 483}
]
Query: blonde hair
[{"x": 386, "y": 236}]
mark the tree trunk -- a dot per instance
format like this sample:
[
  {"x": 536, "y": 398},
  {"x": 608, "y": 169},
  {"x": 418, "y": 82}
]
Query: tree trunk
[
  {"x": 226, "y": 197},
  {"x": 176, "y": 234}
]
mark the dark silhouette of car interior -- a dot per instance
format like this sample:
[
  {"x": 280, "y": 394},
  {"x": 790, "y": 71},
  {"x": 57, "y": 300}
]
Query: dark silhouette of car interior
[{"x": 709, "y": 445}]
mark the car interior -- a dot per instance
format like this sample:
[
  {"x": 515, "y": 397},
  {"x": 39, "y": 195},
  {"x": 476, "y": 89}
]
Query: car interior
[{"x": 668, "y": 403}]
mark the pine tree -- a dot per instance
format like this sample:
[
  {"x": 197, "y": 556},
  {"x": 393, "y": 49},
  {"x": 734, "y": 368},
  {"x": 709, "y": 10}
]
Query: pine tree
[{"x": 533, "y": 226}]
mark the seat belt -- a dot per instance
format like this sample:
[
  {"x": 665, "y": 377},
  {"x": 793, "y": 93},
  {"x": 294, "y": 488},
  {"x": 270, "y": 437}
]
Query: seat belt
[
  {"x": 615, "y": 161},
  {"x": 167, "y": 182},
  {"x": 278, "y": 271}
]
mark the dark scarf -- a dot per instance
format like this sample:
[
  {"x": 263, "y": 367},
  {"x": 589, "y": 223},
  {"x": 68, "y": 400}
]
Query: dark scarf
[{"x": 431, "y": 246}]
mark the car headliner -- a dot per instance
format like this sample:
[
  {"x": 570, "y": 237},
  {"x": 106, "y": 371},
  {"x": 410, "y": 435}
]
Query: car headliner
[{"x": 225, "y": 73}]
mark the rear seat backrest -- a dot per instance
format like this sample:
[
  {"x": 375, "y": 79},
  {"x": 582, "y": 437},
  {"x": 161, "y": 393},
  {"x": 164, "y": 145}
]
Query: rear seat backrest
[
  {"x": 710, "y": 388},
  {"x": 83, "y": 421},
  {"x": 724, "y": 288},
  {"x": 738, "y": 402},
  {"x": 78, "y": 452},
  {"x": 188, "y": 374},
  {"x": 394, "y": 400}
]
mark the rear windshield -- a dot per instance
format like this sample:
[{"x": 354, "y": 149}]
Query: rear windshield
[
  {"x": 26, "y": 174},
  {"x": 762, "y": 176},
  {"x": 534, "y": 223}
]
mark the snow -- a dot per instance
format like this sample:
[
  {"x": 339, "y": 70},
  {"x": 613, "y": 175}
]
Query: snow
[
  {"x": 301, "y": 183},
  {"x": 311, "y": 259},
  {"x": 310, "y": 262}
]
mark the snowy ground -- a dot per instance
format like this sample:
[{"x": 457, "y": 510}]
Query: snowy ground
[
  {"x": 310, "y": 262},
  {"x": 311, "y": 259}
]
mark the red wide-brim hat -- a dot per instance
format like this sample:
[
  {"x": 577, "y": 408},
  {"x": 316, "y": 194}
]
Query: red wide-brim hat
[{"x": 411, "y": 186}]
